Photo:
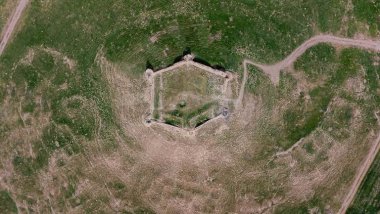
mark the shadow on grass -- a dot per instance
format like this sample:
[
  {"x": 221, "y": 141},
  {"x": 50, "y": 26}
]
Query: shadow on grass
[{"x": 179, "y": 58}]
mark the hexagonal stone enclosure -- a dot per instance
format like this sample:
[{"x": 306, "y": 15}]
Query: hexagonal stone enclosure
[{"x": 189, "y": 94}]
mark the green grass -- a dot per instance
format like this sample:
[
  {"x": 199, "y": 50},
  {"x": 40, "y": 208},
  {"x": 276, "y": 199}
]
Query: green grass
[
  {"x": 201, "y": 120},
  {"x": 270, "y": 32},
  {"x": 71, "y": 187},
  {"x": 173, "y": 121},
  {"x": 317, "y": 62},
  {"x": 126, "y": 39},
  {"x": 23, "y": 165},
  {"x": 2, "y": 17},
  {"x": 327, "y": 14},
  {"x": 189, "y": 115},
  {"x": 143, "y": 210},
  {"x": 302, "y": 118},
  {"x": 193, "y": 80},
  {"x": 270, "y": 36},
  {"x": 260, "y": 85},
  {"x": 337, "y": 123},
  {"x": 29, "y": 106},
  {"x": 157, "y": 92},
  {"x": 367, "y": 197},
  {"x": 183, "y": 118},
  {"x": 368, "y": 11},
  {"x": 191, "y": 91},
  {"x": 309, "y": 147},
  {"x": 53, "y": 138},
  {"x": 7, "y": 205}
]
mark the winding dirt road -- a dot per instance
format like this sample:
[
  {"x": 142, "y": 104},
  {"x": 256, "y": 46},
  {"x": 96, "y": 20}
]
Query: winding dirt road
[
  {"x": 11, "y": 24},
  {"x": 273, "y": 71}
]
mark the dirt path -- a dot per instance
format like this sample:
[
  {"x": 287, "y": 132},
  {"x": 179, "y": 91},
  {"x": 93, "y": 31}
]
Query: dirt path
[
  {"x": 273, "y": 71},
  {"x": 362, "y": 172},
  {"x": 11, "y": 24},
  {"x": 239, "y": 100}
]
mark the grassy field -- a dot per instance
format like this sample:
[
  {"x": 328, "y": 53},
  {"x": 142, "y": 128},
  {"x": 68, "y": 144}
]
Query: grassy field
[
  {"x": 6, "y": 8},
  {"x": 368, "y": 12},
  {"x": 316, "y": 104},
  {"x": 71, "y": 101}
]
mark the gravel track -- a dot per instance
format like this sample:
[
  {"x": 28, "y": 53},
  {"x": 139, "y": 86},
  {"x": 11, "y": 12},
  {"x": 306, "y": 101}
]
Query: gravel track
[
  {"x": 273, "y": 70},
  {"x": 11, "y": 24}
]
